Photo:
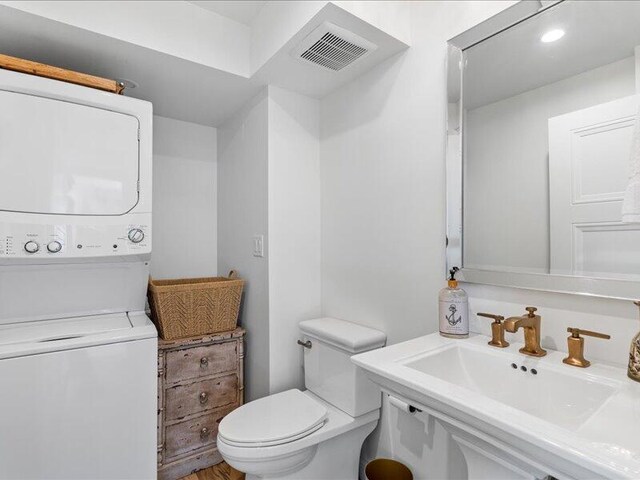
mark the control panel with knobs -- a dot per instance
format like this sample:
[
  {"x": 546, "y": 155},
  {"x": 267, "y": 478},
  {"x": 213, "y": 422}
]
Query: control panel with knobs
[
  {"x": 136, "y": 235},
  {"x": 31, "y": 246},
  {"x": 53, "y": 242},
  {"x": 54, "y": 247}
]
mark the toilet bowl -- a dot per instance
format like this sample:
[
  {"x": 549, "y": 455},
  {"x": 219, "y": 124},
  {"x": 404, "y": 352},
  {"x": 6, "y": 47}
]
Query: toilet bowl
[
  {"x": 316, "y": 434},
  {"x": 329, "y": 449}
]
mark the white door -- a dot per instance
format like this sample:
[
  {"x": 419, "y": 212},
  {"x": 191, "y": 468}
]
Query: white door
[
  {"x": 59, "y": 157},
  {"x": 588, "y": 174}
]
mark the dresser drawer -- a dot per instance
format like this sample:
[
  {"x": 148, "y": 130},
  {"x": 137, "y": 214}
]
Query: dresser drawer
[
  {"x": 193, "y": 434},
  {"x": 183, "y": 400},
  {"x": 199, "y": 362}
]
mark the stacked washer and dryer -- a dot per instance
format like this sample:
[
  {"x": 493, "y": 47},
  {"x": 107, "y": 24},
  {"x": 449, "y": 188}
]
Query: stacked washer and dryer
[{"x": 77, "y": 352}]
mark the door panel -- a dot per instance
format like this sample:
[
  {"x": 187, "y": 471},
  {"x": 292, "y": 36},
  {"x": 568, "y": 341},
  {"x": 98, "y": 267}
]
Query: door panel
[
  {"x": 59, "y": 157},
  {"x": 588, "y": 173},
  {"x": 607, "y": 247}
]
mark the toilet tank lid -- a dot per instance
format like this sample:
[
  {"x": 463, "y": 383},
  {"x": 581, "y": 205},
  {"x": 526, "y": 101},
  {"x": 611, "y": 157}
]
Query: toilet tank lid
[{"x": 345, "y": 335}]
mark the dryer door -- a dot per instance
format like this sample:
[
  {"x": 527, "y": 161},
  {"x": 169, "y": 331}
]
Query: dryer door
[{"x": 59, "y": 157}]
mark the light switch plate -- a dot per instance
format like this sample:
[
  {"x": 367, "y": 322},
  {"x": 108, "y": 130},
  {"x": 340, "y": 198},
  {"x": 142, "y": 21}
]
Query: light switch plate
[{"x": 258, "y": 245}]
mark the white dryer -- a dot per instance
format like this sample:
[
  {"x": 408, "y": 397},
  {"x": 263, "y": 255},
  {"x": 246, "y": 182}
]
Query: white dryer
[{"x": 77, "y": 352}]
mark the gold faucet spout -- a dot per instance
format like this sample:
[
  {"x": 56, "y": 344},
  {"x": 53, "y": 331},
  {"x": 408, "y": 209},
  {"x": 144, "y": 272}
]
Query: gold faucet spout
[
  {"x": 513, "y": 324},
  {"x": 530, "y": 323}
]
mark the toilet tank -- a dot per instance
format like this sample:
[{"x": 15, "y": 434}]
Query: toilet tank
[{"x": 328, "y": 370}]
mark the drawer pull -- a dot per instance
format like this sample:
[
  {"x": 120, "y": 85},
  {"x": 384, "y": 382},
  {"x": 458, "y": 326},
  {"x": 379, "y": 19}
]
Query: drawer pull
[
  {"x": 204, "y": 433},
  {"x": 204, "y": 362},
  {"x": 204, "y": 396}
]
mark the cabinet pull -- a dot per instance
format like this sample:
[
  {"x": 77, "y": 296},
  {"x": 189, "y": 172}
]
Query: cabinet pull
[
  {"x": 204, "y": 397},
  {"x": 204, "y": 362},
  {"x": 204, "y": 433}
]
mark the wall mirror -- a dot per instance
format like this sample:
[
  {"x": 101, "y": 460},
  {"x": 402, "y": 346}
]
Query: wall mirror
[{"x": 542, "y": 110}]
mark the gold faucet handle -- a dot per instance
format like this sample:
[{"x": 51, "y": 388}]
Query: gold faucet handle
[
  {"x": 496, "y": 318},
  {"x": 497, "y": 330},
  {"x": 575, "y": 345},
  {"x": 576, "y": 332},
  {"x": 532, "y": 311}
]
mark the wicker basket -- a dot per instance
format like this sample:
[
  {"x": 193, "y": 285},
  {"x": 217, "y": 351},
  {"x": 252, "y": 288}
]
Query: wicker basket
[{"x": 195, "y": 306}]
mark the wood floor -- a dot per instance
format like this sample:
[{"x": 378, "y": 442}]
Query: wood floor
[{"x": 222, "y": 471}]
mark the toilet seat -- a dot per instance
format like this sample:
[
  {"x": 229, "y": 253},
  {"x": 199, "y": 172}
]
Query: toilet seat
[{"x": 273, "y": 420}]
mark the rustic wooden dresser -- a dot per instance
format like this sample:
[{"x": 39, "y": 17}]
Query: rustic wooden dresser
[{"x": 200, "y": 380}]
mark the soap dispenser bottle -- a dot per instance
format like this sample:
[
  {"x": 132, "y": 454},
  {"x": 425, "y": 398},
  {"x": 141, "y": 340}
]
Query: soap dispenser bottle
[{"x": 454, "y": 309}]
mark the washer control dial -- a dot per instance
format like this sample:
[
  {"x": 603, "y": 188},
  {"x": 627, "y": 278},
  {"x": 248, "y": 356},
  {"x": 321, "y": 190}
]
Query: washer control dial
[
  {"x": 31, "y": 246},
  {"x": 136, "y": 235},
  {"x": 54, "y": 247}
]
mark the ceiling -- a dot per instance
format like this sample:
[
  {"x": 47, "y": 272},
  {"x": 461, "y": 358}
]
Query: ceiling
[
  {"x": 597, "y": 33},
  {"x": 241, "y": 11},
  {"x": 178, "y": 88},
  {"x": 285, "y": 69}
]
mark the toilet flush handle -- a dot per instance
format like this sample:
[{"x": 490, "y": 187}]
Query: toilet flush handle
[{"x": 306, "y": 344}]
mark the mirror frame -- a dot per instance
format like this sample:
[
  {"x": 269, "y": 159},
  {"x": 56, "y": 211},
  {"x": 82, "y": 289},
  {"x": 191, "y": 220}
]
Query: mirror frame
[{"x": 590, "y": 286}]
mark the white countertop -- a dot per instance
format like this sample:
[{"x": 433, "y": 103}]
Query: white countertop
[{"x": 607, "y": 443}]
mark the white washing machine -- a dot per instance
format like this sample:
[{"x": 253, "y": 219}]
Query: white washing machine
[
  {"x": 78, "y": 398},
  {"x": 78, "y": 366}
]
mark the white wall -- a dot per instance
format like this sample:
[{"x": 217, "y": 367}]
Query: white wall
[
  {"x": 507, "y": 167},
  {"x": 269, "y": 184},
  {"x": 242, "y": 213},
  {"x": 184, "y": 200},
  {"x": 389, "y": 16},
  {"x": 274, "y": 26},
  {"x": 383, "y": 209},
  {"x": 383, "y": 197},
  {"x": 636, "y": 54},
  {"x": 294, "y": 230},
  {"x": 382, "y": 156}
]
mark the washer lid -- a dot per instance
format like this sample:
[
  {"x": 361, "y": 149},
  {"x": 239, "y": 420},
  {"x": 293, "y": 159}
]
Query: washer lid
[
  {"x": 273, "y": 420},
  {"x": 62, "y": 329},
  {"x": 38, "y": 337}
]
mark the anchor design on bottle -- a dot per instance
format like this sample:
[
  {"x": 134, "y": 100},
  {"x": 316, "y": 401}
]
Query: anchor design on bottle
[{"x": 451, "y": 319}]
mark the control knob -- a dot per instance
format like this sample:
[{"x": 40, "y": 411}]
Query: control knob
[
  {"x": 136, "y": 235},
  {"x": 54, "y": 247},
  {"x": 31, "y": 246}
]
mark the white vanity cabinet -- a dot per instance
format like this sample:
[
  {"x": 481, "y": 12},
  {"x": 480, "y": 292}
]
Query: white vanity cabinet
[{"x": 514, "y": 416}]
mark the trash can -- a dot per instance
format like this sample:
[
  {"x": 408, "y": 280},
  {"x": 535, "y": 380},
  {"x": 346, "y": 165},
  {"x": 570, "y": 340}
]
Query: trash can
[{"x": 387, "y": 469}]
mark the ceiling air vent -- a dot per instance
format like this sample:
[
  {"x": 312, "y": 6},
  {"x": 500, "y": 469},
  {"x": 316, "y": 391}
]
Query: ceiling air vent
[{"x": 333, "y": 47}]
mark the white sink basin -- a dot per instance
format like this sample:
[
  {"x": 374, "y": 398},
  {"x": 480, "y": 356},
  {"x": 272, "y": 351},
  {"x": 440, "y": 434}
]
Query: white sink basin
[
  {"x": 542, "y": 416},
  {"x": 565, "y": 400}
]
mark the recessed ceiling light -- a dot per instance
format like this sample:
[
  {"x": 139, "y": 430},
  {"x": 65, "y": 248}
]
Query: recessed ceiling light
[{"x": 552, "y": 36}]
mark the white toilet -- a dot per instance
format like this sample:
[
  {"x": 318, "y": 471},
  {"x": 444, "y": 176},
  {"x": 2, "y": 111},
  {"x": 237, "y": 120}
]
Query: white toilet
[{"x": 316, "y": 434}]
